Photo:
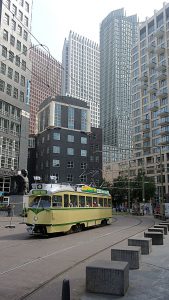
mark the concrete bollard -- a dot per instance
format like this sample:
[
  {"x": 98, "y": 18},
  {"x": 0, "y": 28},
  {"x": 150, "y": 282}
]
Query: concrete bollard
[
  {"x": 107, "y": 277},
  {"x": 157, "y": 237},
  {"x": 165, "y": 223},
  {"x": 152, "y": 229},
  {"x": 162, "y": 226},
  {"x": 65, "y": 290},
  {"x": 144, "y": 243},
  {"x": 130, "y": 254}
]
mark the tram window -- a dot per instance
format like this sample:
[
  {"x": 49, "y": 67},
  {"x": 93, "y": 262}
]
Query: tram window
[
  {"x": 95, "y": 201},
  {"x": 41, "y": 201},
  {"x": 73, "y": 200},
  {"x": 105, "y": 202},
  {"x": 88, "y": 201},
  {"x": 57, "y": 200},
  {"x": 82, "y": 201},
  {"x": 66, "y": 200},
  {"x": 109, "y": 202},
  {"x": 100, "y": 201}
]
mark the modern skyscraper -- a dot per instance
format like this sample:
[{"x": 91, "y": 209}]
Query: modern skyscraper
[
  {"x": 118, "y": 33},
  {"x": 15, "y": 70},
  {"x": 81, "y": 72},
  {"x": 150, "y": 99},
  {"x": 45, "y": 81}
]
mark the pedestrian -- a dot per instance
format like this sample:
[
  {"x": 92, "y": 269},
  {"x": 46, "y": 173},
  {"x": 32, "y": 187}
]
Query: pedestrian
[{"x": 9, "y": 210}]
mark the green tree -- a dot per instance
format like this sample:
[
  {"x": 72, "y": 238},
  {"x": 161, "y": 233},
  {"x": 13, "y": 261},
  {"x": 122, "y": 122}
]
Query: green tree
[{"x": 137, "y": 188}]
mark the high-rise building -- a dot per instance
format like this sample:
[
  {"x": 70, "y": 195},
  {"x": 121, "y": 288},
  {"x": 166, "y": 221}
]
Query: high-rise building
[
  {"x": 45, "y": 81},
  {"x": 118, "y": 33},
  {"x": 150, "y": 99},
  {"x": 81, "y": 72},
  {"x": 15, "y": 75}
]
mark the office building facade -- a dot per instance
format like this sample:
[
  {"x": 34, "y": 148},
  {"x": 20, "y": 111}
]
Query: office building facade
[
  {"x": 150, "y": 99},
  {"x": 118, "y": 33},
  {"x": 15, "y": 71},
  {"x": 81, "y": 72},
  {"x": 45, "y": 81},
  {"x": 67, "y": 147}
]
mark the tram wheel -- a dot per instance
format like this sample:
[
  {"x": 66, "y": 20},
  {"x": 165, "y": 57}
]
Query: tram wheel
[{"x": 104, "y": 222}]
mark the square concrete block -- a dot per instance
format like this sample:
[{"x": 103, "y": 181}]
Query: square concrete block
[
  {"x": 152, "y": 229},
  {"x": 157, "y": 237},
  {"x": 144, "y": 243},
  {"x": 107, "y": 277},
  {"x": 165, "y": 223},
  {"x": 130, "y": 254},
  {"x": 162, "y": 226}
]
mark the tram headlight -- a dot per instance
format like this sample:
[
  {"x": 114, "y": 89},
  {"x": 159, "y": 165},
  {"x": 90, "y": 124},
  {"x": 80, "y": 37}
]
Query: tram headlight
[{"x": 35, "y": 218}]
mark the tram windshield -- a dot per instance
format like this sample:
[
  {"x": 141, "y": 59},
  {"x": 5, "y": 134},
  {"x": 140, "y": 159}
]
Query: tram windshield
[{"x": 41, "y": 202}]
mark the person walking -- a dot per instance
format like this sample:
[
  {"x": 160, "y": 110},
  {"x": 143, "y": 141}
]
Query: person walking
[{"x": 9, "y": 210}]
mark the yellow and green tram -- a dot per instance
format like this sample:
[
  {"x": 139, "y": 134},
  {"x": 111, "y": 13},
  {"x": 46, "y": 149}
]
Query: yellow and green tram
[{"x": 66, "y": 208}]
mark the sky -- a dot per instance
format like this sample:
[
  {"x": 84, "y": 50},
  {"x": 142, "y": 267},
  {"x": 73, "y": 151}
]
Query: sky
[{"x": 53, "y": 19}]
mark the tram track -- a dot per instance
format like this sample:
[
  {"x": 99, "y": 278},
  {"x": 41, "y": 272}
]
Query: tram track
[{"x": 78, "y": 263}]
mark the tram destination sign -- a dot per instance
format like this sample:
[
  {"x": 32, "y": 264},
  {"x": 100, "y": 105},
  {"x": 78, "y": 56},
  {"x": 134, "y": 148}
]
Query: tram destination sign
[{"x": 39, "y": 192}]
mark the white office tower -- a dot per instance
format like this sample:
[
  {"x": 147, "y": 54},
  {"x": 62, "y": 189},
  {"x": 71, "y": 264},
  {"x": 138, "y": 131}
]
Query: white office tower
[
  {"x": 15, "y": 77},
  {"x": 81, "y": 72},
  {"x": 150, "y": 98},
  {"x": 118, "y": 33}
]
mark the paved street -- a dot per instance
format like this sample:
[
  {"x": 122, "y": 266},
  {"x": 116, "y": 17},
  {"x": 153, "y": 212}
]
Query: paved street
[{"x": 34, "y": 268}]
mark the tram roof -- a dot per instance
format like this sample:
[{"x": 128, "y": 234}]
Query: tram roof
[{"x": 51, "y": 188}]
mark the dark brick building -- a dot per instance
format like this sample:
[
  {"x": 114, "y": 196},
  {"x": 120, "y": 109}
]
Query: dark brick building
[{"x": 66, "y": 145}]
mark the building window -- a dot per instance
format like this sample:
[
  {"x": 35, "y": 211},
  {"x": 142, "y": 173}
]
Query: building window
[
  {"x": 83, "y": 140},
  {"x": 83, "y": 120},
  {"x": 15, "y": 93},
  {"x": 83, "y": 178},
  {"x": 6, "y": 19},
  {"x": 83, "y": 165},
  {"x": 19, "y": 31},
  {"x": 11, "y": 56},
  {"x": 56, "y": 149},
  {"x": 56, "y": 163},
  {"x": 70, "y": 151},
  {"x": 18, "y": 45},
  {"x": 70, "y": 164},
  {"x": 25, "y": 21},
  {"x": 56, "y": 136},
  {"x": 27, "y": 6},
  {"x": 70, "y": 117},
  {"x": 23, "y": 65},
  {"x": 25, "y": 35},
  {"x": 13, "y": 25},
  {"x": 21, "y": 2},
  {"x": 14, "y": 10},
  {"x": 69, "y": 177},
  {"x": 97, "y": 158},
  {"x": 5, "y": 35},
  {"x": 9, "y": 89},
  {"x": 24, "y": 50},
  {"x": 12, "y": 40},
  {"x": 16, "y": 77},
  {"x": 21, "y": 97},
  {"x": 57, "y": 117},
  {"x": 2, "y": 85},
  {"x": 20, "y": 15},
  {"x": 22, "y": 80},
  {"x": 17, "y": 60},
  {"x": 3, "y": 68},
  {"x": 70, "y": 138},
  {"x": 10, "y": 72},
  {"x": 7, "y": 3},
  {"x": 4, "y": 51},
  {"x": 83, "y": 152}
]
